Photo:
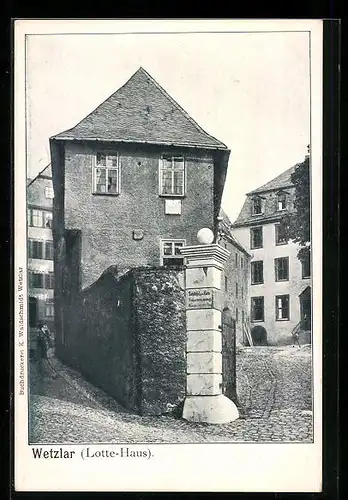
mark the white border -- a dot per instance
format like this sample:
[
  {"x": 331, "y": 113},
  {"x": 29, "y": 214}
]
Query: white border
[{"x": 213, "y": 467}]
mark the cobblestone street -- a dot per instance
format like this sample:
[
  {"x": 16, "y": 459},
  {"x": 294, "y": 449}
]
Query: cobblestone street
[{"x": 274, "y": 392}]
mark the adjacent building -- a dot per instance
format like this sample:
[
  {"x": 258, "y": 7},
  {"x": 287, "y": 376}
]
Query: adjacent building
[
  {"x": 134, "y": 181},
  {"x": 280, "y": 284},
  {"x": 236, "y": 279},
  {"x": 40, "y": 249}
]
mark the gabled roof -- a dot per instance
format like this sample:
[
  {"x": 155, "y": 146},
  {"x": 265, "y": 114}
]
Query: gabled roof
[
  {"x": 225, "y": 226},
  {"x": 269, "y": 214},
  {"x": 46, "y": 173},
  {"x": 141, "y": 111},
  {"x": 282, "y": 181}
]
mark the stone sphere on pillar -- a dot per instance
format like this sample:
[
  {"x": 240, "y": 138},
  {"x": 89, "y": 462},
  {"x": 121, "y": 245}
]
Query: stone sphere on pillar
[{"x": 205, "y": 236}]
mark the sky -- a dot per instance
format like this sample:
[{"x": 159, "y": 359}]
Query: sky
[{"x": 249, "y": 90}]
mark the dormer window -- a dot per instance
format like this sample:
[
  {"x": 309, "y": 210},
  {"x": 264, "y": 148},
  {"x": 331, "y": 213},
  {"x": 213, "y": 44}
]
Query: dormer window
[
  {"x": 281, "y": 201},
  {"x": 256, "y": 206},
  {"x": 106, "y": 174},
  {"x": 172, "y": 175}
]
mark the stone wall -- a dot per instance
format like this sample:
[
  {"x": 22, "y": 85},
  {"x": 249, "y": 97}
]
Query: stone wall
[{"x": 128, "y": 336}]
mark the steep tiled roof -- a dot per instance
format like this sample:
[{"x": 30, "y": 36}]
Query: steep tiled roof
[
  {"x": 45, "y": 173},
  {"x": 280, "y": 182},
  {"x": 141, "y": 111},
  {"x": 267, "y": 193}
]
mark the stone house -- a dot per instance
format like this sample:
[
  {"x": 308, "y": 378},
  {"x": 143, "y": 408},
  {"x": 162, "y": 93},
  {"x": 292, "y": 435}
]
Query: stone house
[
  {"x": 280, "y": 284},
  {"x": 40, "y": 249},
  {"x": 134, "y": 181}
]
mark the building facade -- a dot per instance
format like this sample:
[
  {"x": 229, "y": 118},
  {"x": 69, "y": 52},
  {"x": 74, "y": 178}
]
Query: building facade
[
  {"x": 134, "y": 181},
  {"x": 280, "y": 284},
  {"x": 235, "y": 280},
  {"x": 40, "y": 249}
]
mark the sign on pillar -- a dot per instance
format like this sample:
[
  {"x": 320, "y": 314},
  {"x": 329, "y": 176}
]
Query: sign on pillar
[{"x": 204, "y": 400}]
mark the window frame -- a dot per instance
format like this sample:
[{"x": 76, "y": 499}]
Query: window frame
[
  {"x": 49, "y": 305},
  {"x": 252, "y": 229},
  {"x": 306, "y": 276},
  {"x": 33, "y": 243},
  {"x": 284, "y": 195},
  {"x": 31, "y": 279},
  {"x": 252, "y": 320},
  {"x": 276, "y": 236},
  {"x": 276, "y": 270},
  {"x": 277, "y": 297},
  {"x": 42, "y": 215},
  {"x": 173, "y": 256},
  {"x": 46, "y": 252},
  {"x": 49, "y": 280},
  {"x": 160, "y": 180},
  {"x": 259, "y": 200},
  {"x": 106, "y": 167},
  {"x": 252, "y": 266},
  {"x": 49, "y": 189}
]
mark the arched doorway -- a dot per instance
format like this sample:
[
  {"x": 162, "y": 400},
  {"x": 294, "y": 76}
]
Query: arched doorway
[
  {"x": 305, "y": 308},
  {"x": 259, "y": 335}
]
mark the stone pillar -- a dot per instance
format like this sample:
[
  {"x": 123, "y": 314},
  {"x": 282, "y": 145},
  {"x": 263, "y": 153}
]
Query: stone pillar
[{"x": 204, "y": 400}]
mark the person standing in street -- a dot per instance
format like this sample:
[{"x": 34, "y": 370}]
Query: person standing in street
[{"x": 43, "y": 343}]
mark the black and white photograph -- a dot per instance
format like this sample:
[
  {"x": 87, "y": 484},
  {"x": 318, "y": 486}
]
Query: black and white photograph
[{"x": 168, "y": 255}]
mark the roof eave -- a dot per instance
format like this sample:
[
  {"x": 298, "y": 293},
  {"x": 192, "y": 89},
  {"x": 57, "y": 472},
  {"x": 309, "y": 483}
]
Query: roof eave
[{"x": 223, "y": 147}]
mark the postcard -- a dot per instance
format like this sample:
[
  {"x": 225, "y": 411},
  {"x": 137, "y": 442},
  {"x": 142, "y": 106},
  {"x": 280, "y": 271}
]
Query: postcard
[{"x": 168, "y": 192}]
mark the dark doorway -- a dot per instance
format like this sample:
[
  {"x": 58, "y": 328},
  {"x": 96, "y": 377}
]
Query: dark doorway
[
  {"x": 229, "y": 380},
  {"x": 259, "y": 335},
  {"x": 305, "y": 308},
  {"x": 32, "y": 311}
]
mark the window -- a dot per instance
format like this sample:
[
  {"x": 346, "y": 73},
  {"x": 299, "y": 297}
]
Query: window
[
  {"x": 47, "y": 216},
  {"x": 49, "y": 281},
  {"x": 281, "y": 201},
  {"x": 306, "y": 267},
  {"x": 36, "y": 280},
  {"x": 226, "y": 284},
  {"x": 257, "y": 309},
  {"x": 256, "y": 237},
  {"x": 106, "y": 174},
  {"x": 236, "y": 314},
  {"x": 256, "y": 206},
  {"x": 257, "y": 272},
  {"x": 35, "y": 249},
  {"x": 39, "y": 218},
  {"x": 236, "y": 290},
  {"x": 35, "y": 218},
  {"x": 49, "y": 192},
  {"x": 241, "y": 262},
  {"x": 49, "y": 250},
  {"x": 243, "y": 317},
  {"x": 170, "y": 253},
  {"x": 282, "y": 308},
  {"x": 40, "y": 250},
  {"x": 172, "y": 176},
  {"x": 242, "y": 292},
  {"x": 280, "y": 234},
  {"x": 49, "y": 308},
  {"x": 281, "y": 268},
  {"x": 236, "y": 257}
]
